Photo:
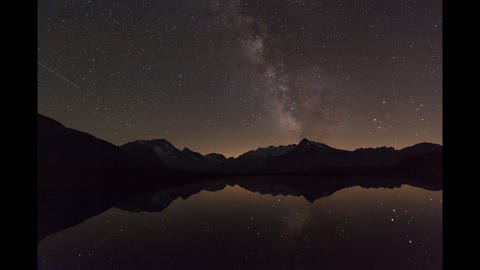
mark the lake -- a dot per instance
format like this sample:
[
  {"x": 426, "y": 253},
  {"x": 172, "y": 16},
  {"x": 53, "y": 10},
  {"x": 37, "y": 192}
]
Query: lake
[{"x": 249, "y": 225}]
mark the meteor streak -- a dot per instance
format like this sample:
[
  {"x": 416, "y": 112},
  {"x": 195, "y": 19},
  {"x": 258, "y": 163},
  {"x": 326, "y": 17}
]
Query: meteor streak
[{"x": 63, "y": 78}]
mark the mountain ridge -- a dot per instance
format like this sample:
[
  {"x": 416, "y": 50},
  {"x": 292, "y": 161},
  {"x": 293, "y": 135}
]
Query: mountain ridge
[
  {"x": 302, "y": 143},
  {"x": 307, "y": 155}
]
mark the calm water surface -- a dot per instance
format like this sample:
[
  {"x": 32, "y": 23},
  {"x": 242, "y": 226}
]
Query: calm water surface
[{"x": 234, "y": 228}]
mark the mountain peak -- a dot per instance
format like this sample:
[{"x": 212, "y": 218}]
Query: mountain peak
[
  {"x": 424, "y": 146},
  {"x": 157, "y": 148},
  {"x": 187, "y": 150},
  {"x": 308, "y": 144},
  {"x": 160, "y": 141},
  {"x": 305, "y": 141},
  {"x": 216, "y": 157}
]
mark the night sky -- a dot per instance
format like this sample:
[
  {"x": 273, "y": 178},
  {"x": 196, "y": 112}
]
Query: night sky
[{"x": 233, "y": 75}]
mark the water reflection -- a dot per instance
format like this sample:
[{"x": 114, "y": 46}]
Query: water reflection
[{"x": 252, "y": 223}]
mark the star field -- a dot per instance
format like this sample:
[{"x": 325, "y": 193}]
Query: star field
[{"x": 233, "y": 75}]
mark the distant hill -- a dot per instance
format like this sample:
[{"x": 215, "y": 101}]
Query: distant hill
[
  {"x": 163, "y": 151},
  {"x": 306, "y": 155},
  {"x": 70, "y": 159},
  {"x": 81, "y": 172},
  {"x": 312, "y": 155}
]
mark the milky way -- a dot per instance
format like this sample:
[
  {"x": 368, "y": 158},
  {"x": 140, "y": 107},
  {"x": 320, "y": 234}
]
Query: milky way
[
  {"x": 295, "y": 98},
  {"x": 229, "y": 76}
]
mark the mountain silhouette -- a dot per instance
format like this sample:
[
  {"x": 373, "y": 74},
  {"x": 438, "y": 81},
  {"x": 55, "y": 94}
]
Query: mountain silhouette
[
  {"x": 165, "y": 152},
  {"x": 80, "y": 176},
  {"x": 69, "y": 159},
  {"x": 306, "y": 155}
]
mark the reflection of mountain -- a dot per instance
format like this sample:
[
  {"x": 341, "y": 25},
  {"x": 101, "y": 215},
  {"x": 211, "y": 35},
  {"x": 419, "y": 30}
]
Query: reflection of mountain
[
  {"x": 58, "y": 211},
  {"x": 80, "y": 176}
]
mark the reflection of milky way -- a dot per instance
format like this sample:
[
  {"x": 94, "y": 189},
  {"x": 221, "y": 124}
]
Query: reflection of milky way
[{"x": 297, "y": 221}]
